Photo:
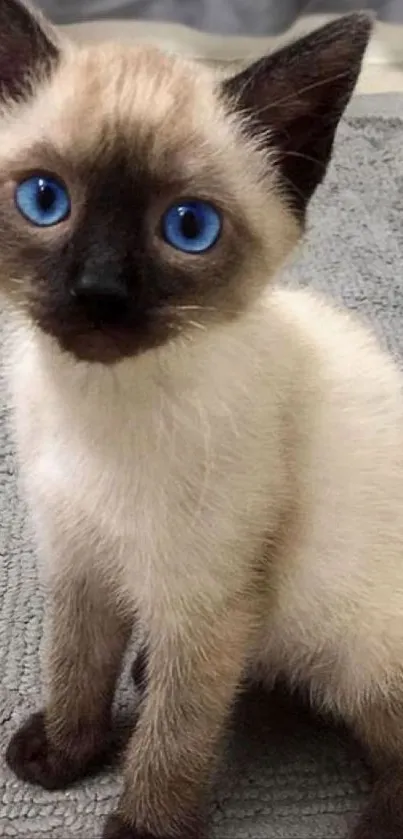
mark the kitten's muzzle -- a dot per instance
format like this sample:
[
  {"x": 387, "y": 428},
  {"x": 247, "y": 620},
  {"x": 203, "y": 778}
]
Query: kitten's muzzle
[{"x": 103, "y": 299}]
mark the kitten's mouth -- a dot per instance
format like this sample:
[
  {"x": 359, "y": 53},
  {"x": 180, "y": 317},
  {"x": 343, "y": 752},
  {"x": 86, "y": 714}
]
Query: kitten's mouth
[{"x": 105, "y": 340}]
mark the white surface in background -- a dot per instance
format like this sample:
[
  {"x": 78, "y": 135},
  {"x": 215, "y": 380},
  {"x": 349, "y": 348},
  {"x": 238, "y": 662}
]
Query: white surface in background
[{"x": 382, "y": 68}]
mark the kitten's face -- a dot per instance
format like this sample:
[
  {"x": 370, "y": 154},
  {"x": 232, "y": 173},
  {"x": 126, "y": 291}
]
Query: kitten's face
[
  {"x": 157, "y": 215},
  {"x": 140, "y": 197}
]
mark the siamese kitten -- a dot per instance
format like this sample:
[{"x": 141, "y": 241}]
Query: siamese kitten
[{"x": 212, "y": 457}]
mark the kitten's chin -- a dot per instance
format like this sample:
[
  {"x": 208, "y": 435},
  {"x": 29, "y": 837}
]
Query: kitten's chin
[
  {"x": 105, "y": 347},
  {"x": 96, "y": 350}
]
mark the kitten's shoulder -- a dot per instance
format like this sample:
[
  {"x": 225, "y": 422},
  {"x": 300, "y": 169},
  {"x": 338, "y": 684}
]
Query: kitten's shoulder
[
  {"x": 332, "y": 345},
  {"x": 320, "y": 320}
]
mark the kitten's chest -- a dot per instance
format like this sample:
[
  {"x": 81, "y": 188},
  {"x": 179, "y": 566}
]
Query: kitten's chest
[
  {"x": 150, "y": 491},
  {"x": 162, "y": 490},
  {"x": 121, "y": 483}
]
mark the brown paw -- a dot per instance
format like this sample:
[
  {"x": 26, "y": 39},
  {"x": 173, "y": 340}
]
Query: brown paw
[
  {"x": 33, "y": 759},
  {"x": 383, "y": 817},
  {"x": 117, "y": 828},
  {"x": 368, "y": 830}
]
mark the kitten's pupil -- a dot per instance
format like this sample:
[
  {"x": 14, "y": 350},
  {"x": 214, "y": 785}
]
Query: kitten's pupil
[
  {"x": 190, "y": 225},
  {"x": 46, "y": 196}
]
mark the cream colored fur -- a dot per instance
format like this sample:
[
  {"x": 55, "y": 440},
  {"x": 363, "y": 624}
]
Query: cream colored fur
[
  {"x": 236, "y": 490},
  {"x": 177, "y": 470}
]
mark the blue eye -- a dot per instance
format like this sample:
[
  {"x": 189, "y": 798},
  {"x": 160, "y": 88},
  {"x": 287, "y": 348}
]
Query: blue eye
[
  {"x": 191, "y": 226},
  {"x": 43, "y": 200}
]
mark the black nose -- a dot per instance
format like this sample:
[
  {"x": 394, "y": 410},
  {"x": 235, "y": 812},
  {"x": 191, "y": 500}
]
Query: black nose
[{"x": 104, "y": 299}]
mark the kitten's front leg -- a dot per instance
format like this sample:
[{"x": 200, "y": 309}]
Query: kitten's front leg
[
  {"x": 87, "y": 640},
  {"x": 193, "y": 674}
]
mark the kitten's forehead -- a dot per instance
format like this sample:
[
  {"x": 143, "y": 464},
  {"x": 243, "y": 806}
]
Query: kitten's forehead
[
  {"x": 155, "y": 103},
  {"x": 130, "y": 90}
]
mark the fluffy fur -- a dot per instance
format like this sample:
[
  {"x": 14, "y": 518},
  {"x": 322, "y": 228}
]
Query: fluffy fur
[{"x": 225, "y": 468}]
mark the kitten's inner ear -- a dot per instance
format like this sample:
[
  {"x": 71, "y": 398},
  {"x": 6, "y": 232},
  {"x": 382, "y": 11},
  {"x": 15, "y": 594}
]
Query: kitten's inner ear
[
  {"x": 29, "y": 49},
  {"x": 296, "y": 96}
]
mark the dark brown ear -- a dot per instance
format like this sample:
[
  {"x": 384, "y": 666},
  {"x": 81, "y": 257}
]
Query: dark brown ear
[
  {"x": 296, "y": 96},
  {"x": 28, "y": 50}
]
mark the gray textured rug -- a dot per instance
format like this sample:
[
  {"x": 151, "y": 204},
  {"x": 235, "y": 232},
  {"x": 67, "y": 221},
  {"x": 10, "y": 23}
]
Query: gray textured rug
[{"x": 286, "y": 775}]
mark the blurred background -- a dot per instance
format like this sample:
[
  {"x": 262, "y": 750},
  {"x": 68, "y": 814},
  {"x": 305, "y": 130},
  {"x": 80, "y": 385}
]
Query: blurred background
[{"x": 226, "y": 17}]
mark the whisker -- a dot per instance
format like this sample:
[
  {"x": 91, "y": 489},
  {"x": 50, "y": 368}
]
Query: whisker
[
  {"x": 177, "y": 309},
  {"x": 197, "y": 325},
  {"x": 304, "y": 157},
  {"x": 296, "y": 94},
  {"x": 16, "y": 280},
  {"x": 188, "y": 308}
]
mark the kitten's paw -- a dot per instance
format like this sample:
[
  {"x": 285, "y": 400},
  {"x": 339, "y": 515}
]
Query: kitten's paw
[
  {"x": 34, "y": 759},
  {"x": 383, "y": 816},
  {"x": 374, "y": 831},
  {"x": 117, "y": 828}
]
